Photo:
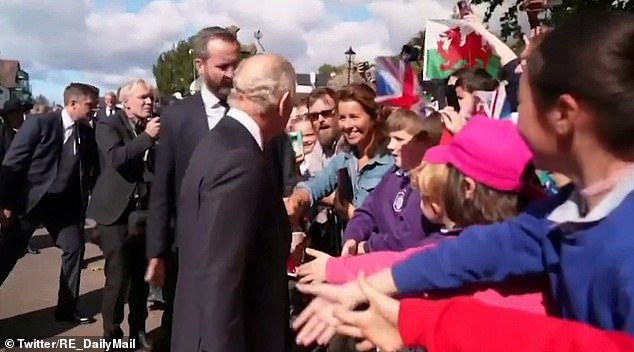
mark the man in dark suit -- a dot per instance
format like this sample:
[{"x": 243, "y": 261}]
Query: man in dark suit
[
  {"x": 184, "y": 124},
  {"x": 46, "y": 178},
  {"x": 125, "y": 143},
  {"x": 110, "y": 108},
  {"x": 12, "y": 115},
  {"x": 233, "y": 231}
]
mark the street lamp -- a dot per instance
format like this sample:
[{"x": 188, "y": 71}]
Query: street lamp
[
  {"x": 258, "y": 36},
  {"x": 191, "y": 52},
  {"x": 350, "y": 55}
]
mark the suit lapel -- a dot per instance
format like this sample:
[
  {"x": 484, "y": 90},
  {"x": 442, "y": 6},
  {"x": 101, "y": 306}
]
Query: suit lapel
[{"x": 199, "y": 116}]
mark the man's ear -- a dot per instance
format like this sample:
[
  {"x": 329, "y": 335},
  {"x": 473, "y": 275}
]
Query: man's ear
[{"x": 285, "y": 107}]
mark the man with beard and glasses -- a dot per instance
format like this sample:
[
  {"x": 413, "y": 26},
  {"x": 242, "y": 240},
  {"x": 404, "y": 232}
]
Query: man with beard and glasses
[
  {"x": 321, "y": 105},
  {"x": 183, "y": 125}
]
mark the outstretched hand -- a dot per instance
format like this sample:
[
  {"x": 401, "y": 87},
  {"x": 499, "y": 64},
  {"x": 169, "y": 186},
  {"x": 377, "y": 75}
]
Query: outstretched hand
[
  {"x": 317, "y": 323},
  {"x": 314, "y": 271},
  {"x": 377, "y": 325}
]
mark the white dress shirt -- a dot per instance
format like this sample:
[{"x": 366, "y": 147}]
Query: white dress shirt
[
  {"x": 110, "y": 111},
  {"x": 68, "y": 124},
  {"x": 248, "y": 123},
  {"x": 213, "y": 108}
]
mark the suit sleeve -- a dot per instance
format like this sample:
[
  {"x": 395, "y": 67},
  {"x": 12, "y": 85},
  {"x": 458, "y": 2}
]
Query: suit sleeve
[
  {"x": 233, "y": 192},
  {"x": 162, "y": 193},
  {"x": 464, "y": 324},
  {"x": 289, "y": 170},
  {"x": 17, "y": 161},
  {"x": 118, "y": 153}
]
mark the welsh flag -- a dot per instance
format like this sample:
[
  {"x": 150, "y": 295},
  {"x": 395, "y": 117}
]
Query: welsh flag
[{"x": 451, "y": 45}]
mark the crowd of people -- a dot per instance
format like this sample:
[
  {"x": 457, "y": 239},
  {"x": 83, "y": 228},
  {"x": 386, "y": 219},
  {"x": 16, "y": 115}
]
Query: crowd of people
[{"x": 381, "y": 227}]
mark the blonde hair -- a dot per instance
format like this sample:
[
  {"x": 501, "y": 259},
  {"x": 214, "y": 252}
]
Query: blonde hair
[{"x": 430, "y": 180}]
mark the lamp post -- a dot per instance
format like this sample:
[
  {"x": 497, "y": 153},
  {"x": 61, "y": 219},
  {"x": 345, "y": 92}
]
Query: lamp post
[
  {"x": 191, "y": 52},
  {"x": 349, "y": 55},
  {"x": 258, "y": 36}
]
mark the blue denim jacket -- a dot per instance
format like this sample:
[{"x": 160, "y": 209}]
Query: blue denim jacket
[{"x": 363, "y": 181}]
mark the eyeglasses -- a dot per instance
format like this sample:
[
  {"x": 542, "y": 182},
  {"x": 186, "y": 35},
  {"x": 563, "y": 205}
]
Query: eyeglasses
[{"x": 314, "y": 116}]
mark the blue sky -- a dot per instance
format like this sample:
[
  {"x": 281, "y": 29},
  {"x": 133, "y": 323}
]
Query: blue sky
[{"x": 107, "y": 42}]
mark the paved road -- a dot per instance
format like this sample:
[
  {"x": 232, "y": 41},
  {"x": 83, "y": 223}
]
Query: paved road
[{"x": 29, "y": 295}]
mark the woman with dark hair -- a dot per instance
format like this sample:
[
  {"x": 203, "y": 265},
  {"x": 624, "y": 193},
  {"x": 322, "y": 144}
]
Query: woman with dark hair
[
  {"x": 366, "y": 159},
  {"x": 577, "y": 116}
]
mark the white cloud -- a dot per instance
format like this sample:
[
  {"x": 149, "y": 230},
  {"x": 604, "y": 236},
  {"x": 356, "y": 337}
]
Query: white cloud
[{"x": 108, "y": 45}]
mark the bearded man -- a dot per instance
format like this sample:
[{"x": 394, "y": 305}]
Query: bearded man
[{"x": 183, "y": 125}]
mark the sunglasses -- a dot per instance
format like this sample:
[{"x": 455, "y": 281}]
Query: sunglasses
[{"x": 314, "y": 116}]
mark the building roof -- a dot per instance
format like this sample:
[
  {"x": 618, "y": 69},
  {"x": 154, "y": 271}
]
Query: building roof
[
  {"x": 8, "y": 73},
  {"x": 303, "y": 79}
]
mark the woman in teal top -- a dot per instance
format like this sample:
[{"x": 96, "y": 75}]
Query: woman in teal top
[{"x": 366, "y": 156}]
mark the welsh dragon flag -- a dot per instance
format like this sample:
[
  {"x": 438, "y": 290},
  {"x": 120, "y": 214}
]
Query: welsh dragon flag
[{"x": 451, "y": 45}]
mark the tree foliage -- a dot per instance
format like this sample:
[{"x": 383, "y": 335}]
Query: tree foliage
[
  {"x": 510, "y": 21},
  {"x": 327, "y": 69},
  {"x": 174, "y": 69}
]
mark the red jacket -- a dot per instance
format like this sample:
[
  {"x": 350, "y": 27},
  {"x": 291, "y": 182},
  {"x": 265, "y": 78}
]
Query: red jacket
[{"x": 464, "y": 325}]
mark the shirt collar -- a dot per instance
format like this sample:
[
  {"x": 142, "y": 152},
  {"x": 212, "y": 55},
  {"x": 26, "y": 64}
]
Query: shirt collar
[
  {"x": 247, "y": 121},
  {"x": 209, "y": 99},
  {"x": 67, "y": 121},
  {"x": 572, "y": 209}
]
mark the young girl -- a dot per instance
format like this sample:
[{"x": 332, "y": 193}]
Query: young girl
[
  {"x": 366, "y": 161},
  {"x": 390, "y": 218},
  {"x": 576, "y": 113}
]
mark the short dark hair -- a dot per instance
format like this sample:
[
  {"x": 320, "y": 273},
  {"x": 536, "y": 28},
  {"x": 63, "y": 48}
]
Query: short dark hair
[
  {"x": 79, "y": 91},
  {"x": 318, "y": 93},
  {"x": 472, "y": 79},
  {"x": 590, "y": 57},
  {"x": 200, "y": 40}
]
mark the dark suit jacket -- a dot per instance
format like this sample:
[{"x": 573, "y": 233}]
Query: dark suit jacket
[
  {"x": 280, "y": 152},
  {"x": 233, "y": 239},
  {"x": 122, "y": 167},
  {"x": 101, "y": 113},
  {"x": 6, "y": 137},
  {"x": 30, "y": 165},
  {"x": 183, "y": 125}
]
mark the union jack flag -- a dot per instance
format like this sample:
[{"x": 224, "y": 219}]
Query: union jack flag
[{"x": 396, "y": 82}]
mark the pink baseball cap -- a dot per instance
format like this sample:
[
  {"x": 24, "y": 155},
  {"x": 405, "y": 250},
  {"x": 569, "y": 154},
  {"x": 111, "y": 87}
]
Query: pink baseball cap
[{"x": 490, "y": 151}]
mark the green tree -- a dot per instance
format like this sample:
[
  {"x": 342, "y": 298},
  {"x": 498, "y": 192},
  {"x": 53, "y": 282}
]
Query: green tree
[
  {"x": 510, "y": 23},
  {"x": 174, "y": 69},
  {"x": 327, "y": 69}
]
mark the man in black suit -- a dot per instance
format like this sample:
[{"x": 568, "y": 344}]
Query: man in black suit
[
  {"x": 184, "y": 124},
  {"x": 46, "y": 177},
  {"x": 110, "y": 108},
  {"x": 233, "y": 231},
  {"x": 12, "y": 115},
  {"x": 125, "y": 143}
]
